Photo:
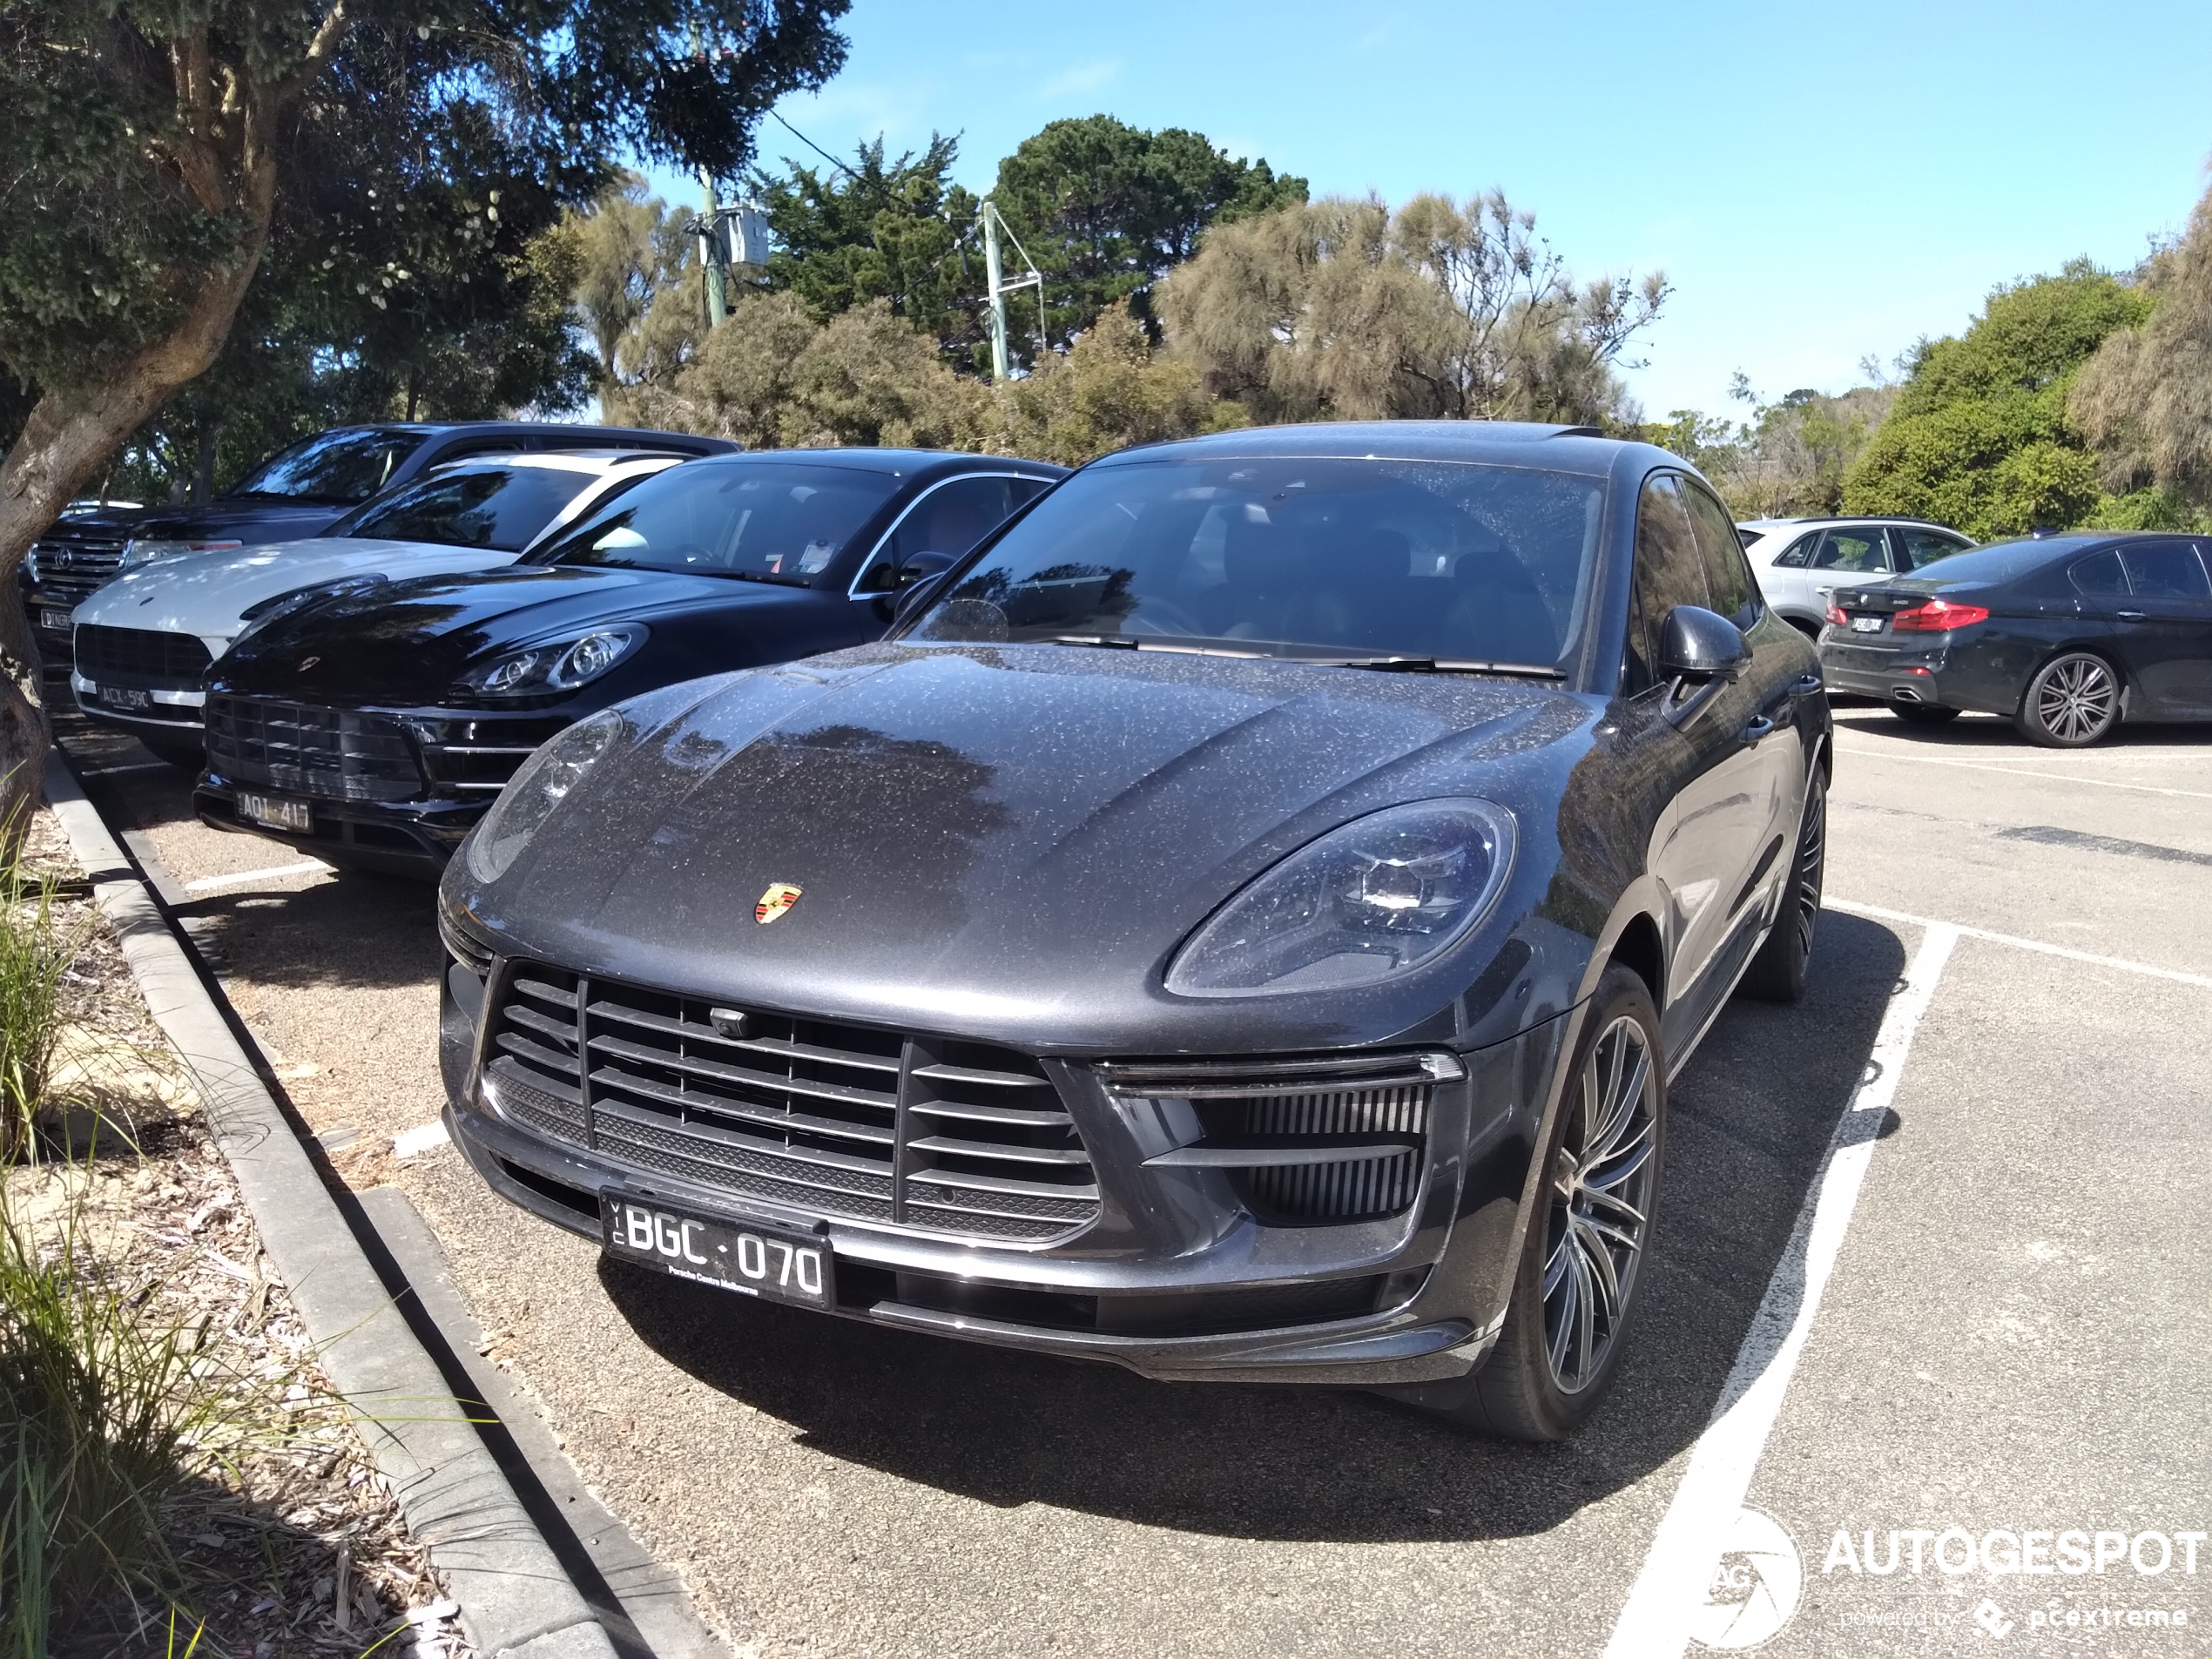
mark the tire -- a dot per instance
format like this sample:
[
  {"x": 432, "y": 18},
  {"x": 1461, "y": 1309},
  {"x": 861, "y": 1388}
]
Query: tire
[
  {"x": 187, "y": 754},
  {"x": 1558, "y": 1352},
  {"x": 1777, "y": 973},
  {"x": 2072, "y": 701},
  {"x": 1923, "y": 713}
]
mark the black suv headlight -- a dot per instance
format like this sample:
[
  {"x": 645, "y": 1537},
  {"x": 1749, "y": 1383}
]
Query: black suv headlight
[{"x": 561, "y": 666}]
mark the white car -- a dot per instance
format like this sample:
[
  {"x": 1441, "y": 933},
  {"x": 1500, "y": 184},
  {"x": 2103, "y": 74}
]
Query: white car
[
  {"x": 145, "y": 641},
  {"x": 1800, "y": 561}
]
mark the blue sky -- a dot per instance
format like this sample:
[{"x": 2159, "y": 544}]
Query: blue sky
[{"x": 1819, "y": 182}]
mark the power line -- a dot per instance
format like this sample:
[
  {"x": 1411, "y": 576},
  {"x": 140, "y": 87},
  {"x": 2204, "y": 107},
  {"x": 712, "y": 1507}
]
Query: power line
[{"x": 816, "y": 148}]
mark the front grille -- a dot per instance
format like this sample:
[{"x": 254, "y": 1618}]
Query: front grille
[
  {"x": 1330, "y": 1140},
  {"x": 940, "y": 1135},
  {"x": 331, "y": 754},
  {"x": 147, "y": 658},
  {"x": 468, "y": 757},
  {"x": 69, "y": 569}
]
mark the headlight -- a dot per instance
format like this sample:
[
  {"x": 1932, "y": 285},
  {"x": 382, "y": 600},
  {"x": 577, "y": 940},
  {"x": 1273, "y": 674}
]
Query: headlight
[
  {"x": 145, "y": 550},
  {"x": 1376, "y": 899},
  {"x": 542, "y": 785},
  {"x": 562, "y": 666}
]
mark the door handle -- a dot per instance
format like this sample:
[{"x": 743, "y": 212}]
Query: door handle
[
  {"x": 2129, "y": 616},
  {"x": 1806, "y": 685},
  {"x": 1759, "y": 728}
]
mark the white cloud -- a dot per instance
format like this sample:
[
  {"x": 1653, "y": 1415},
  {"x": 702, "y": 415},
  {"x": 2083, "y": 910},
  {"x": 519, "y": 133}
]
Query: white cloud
[{"x": 1084, "y": 77}]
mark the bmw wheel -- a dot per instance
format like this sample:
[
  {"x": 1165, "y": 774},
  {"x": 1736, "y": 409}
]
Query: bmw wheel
[
  {"x": 2072, "y": 702},
  {"x": 1777, "y": 973},
  {"x": 1582, "y": 1267}
]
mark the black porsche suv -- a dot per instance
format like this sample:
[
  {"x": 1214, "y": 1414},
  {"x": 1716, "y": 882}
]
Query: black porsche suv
[
  {"x": 1241, "y": 924},
  {"x": 372, "y": 723}
]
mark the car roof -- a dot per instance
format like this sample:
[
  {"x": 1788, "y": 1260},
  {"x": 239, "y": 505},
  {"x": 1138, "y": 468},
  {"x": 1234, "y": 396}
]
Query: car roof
[
  {"x": 1581, "y": 447},
  {"x": 1769, "y": 525},
  {"x": 592, "y": 460},
  {"x": 892, "y": 460}
]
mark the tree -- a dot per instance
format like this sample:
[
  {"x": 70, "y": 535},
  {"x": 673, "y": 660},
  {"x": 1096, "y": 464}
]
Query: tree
[
  {"x": 154, "y": 154},
  {"x": 889, "y": 230},
  {"x": 1789, "y": 458},
  {"x": 2144, "y": 401},
  {"x": 1979, "y": 436},
  {"x": 1341, "y": 309},
  {"x": 1106, "y": 209},
  {"x": 1111, "y": 389}
]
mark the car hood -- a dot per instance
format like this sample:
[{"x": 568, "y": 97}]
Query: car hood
[
  {"x": 250, "y": 522},
  {"x": 403, "y": 643},
  {"x": 1009, "y": 842},
  {"x": 206, "y": 593}
]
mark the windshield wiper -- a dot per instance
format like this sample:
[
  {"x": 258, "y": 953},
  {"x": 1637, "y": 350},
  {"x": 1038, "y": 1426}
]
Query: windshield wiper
[
  {"x": 1447, "y": 666},
  {"x": 1257, "y": 649}
]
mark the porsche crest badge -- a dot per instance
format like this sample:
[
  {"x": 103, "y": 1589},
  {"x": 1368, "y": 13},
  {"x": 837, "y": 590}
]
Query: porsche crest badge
[{"x": 779, "y": 897}]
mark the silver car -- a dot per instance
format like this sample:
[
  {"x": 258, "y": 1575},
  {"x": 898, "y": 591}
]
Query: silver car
[{"x": 1799, "y": 561}]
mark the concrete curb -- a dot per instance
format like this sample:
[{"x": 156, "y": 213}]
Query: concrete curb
[{"x": 515, "y": 1596}]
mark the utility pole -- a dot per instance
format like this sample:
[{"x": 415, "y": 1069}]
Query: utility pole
[
  {"x": 997, "y": 290},
  {"x": 709, "y": 262}
]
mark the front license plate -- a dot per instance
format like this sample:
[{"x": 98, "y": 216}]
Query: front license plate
[
  {"x": 274, "y": 811},
  {"x": 54, "y": 620},
  {"x": 122, "y": 697},
  {"x": 1867, "y": 624},
  {"x": 772, "y": 1263}
]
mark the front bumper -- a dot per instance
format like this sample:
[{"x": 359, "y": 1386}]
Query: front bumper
[
  {"x": 161, "y": 710},
  {"x": 405, "y": 838},
  {"x": 1165, "y": 1283}
]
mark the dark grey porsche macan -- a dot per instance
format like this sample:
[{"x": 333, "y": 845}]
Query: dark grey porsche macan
[{"x": 1240, "y": 924}]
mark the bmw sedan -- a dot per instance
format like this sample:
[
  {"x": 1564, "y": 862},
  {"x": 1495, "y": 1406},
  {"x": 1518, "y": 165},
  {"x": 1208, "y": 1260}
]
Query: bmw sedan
[
  {"x": 2067, "y": 635},
  {"x": 373, "y": 723},
  {"x": 1241, "y": 924}
]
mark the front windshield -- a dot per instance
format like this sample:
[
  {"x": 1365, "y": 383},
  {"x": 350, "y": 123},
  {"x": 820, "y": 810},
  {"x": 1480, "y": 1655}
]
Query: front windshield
[
  {"x": 1447, "y": 561},
  {"x": 502, "y": 507},
  {"x": 349, "y": 465},
  {"x": 764, "y": 520}
]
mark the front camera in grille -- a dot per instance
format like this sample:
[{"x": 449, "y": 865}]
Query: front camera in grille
[
  {"x": 929, "y": 1133},
  {"x": 1302, "y": 1143}
]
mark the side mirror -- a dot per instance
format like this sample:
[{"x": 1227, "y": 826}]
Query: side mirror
[
  {"x": 915, "y": 596},
  {"x": 918, "y": 565},
  {"x": 1697, "y": 646}
]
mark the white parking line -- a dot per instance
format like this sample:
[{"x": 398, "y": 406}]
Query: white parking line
[
  {"x": 1878, "y": 914},
  {"x": 209, "y": 883},
  {"x": 1870, "y": 753},
  {"x": 411, "y": 1142},
  {"x": 135, "y": 765},
  {"x": 1663, "y": 1604}
]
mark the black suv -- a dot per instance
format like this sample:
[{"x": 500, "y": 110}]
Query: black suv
[{"x": 296, "y": 492}]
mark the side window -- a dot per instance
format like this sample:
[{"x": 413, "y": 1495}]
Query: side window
[
  {"x": 949, "y": 519},
  {"x": 1853, "y": 552},
  {"x": 1734, "y": 594},
  {"x": 2165, "y": 571},
  {"x": 1669, "y": 571},
  {"x": 1798, "y": 551},
  {"x": 1926, "y": 547},
  {"x": 2100, "y": 577}
]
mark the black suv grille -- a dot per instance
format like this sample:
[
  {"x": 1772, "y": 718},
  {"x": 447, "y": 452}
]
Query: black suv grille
[
  {"x": 144, "y": 658},
  {"x": 1335, "y": 1139},
  {"x": 328, "y": 753},
  {"x": 68, "y": 569},
  {"x": 837, "y": 1120}
]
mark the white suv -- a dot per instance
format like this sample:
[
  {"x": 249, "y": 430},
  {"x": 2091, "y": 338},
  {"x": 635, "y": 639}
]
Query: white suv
[{"x": 1799, "y": 561}]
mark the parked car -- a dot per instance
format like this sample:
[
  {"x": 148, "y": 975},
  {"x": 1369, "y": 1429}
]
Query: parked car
[
  {"x": 144, "y": 643},
  {"x": 1799, "y": 561},
  {"x": 1240, "y": 924},
  {"x": 374, "y": 726},
  {"x": 299, "y": 491},
  {"x": 2067, "y": 635}
]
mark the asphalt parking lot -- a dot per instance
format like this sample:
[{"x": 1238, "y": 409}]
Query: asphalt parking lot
[{"x": 1993, "y": 1326}]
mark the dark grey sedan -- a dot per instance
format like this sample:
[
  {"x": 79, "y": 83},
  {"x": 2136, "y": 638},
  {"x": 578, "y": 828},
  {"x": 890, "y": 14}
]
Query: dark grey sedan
[
  {"x": 1241, "y": 925},
  {"x": 2067, "y": 635}
]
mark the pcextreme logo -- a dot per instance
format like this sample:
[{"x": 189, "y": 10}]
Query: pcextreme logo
[{"x": 1755, "y": 1586}]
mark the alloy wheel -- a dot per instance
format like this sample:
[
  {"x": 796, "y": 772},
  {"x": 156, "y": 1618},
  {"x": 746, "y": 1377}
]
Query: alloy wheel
[
  {"x": 1597, "y": 1223},
  {"x": 1812, "y": 860},
  {"x": 2076, "y": 698}
]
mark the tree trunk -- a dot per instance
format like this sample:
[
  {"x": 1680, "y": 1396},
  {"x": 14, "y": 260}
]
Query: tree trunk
[{"x": 72, "y": 433}]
